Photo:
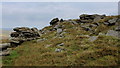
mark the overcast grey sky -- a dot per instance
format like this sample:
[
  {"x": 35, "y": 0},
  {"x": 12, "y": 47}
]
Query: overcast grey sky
[{"x": 39, "y": 14}]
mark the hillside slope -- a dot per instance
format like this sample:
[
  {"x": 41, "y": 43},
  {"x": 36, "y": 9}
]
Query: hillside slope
[{"x": 91, "y": 40}]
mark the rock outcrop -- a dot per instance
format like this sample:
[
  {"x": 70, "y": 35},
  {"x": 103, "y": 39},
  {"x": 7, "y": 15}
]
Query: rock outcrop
[
  {"x": 54, "y": 21},
  {"x": 22, "y": 34},
  {"x": 85, "y": 18},
  {"x": 4, "y": 49}
]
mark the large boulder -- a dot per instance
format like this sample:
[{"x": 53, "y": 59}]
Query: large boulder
[{"x": 54, "y": 21}]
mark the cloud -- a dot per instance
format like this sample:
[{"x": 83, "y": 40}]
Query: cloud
[{"x": 34, "y": 14}]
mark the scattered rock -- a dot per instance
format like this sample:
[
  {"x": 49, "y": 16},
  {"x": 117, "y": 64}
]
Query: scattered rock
[
  {"x": 58, "y": 50},
  {"x": 85, "y": 36},
  {"x": 5, "y": 53},
  {"x": 74, "y": 22},
  {"x": 61, "y": 20},
  {"x": 117, "y": 28},
  {"x": 39, "y": 40},
  {"x": 112, "y": 21},
  {"x": 112, "y": 33},
  {"x": 86, "y": 21},
  {"x": 87, "y": 29},
  {"x": 93, "y": 38},
  {"x": 97, "y": 18},
  {"x": 105, "y": 23},
  {"x": 37, "y": 31},
  {"x": 61, "y": 44},
  {"x": 54, "y": 21},
  {"x": 101, "y": 34},
  {"x": 58, "y": 26},
  {"x": 59, "y": 31},
  {"x": 93, "y": 25},
  {"x": 47, "y": 46}
]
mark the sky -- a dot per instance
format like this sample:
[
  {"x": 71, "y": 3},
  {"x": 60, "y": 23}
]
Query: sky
[{"x": 39, "y": 14}]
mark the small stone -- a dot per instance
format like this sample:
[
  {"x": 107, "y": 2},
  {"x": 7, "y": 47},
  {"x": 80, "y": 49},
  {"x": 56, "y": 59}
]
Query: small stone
[
  {"x": 60, "y": 44},
  {"x": 101, "y": 34},
  {"x": 58, "y": 50},
  {"x": 106, "y": 23},
  {"x": 39, "y": 40},
  {"x": 47, "y": 46},
  {"x": 57, "y": 26},
  {"x": 117, "y": 28},
  {"x": 93, "y": 38},
  {"x": 59, "y": 31},
  {"x": 93, "y": 25}
]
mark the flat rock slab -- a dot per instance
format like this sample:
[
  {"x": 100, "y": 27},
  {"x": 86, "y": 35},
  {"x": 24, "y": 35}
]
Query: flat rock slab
[
  {"x": 4, "y": 46},
  {"x": 93, "y": 38},
  {"x": 4, "y": 53},
  {"x": 112, "y": 33}
]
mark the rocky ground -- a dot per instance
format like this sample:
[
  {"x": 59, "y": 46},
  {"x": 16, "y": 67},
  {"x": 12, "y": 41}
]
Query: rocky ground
[{"x": 91, "y": 40}]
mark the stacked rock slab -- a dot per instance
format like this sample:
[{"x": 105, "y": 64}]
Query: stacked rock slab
[
  {"x": 22, "y": 34},
  {"x": 85, "y": 18}
]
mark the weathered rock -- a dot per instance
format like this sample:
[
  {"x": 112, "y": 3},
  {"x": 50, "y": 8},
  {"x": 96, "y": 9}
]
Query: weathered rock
[
  {"x": 85, "y": 36},
  {"x": 61, "y": 44},
  {"x": 93, "y": 38},
  {"x": 23, "y": 34},
  {"x": 86, "y": 21},
  {"x": 19, "y": 29},
  {"x": 39, "y": 40},
  {"x": 58, "y": 26},
  {"x": 112, "y": 33},
  {"x": 5, "y": 53},
  {"x": 101, "y": 34},
  {"x": 117, "y": 28},
  {"x": 74, "y": 22},
  {"x": 58, "y": 50},
  {"x": 112, "y": 21},
  {"x": 86, "y": 28},
  {"x": 94, "y": 17},
  {"x": 106, "y": 23},
  {"x": 14, "y": 34},
  {"x": 47, "y": 46},
  {"x": 96, "y": 24},
  {"x": 59, "y": 31},
  {"x": 37, "y": 31},
  {"x": 97, "y": 18},
  {"x": 4, "y": 46},
  {"x": 61, "y": 20},
  {"x": 93, "y": 25},
  {"x": 54, "y": 21}
]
